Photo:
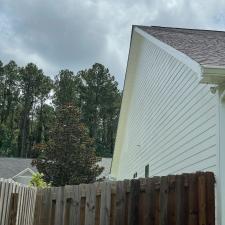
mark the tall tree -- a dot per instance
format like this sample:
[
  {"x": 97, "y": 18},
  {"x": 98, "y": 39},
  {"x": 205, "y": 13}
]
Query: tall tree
[
  {"x": 32, "y": 81},
  {"x": 9, "y": 102},
  {"x": 9, "y": 90},
  {"x": 66, "y": 88},
  {"x": 100, "y": 103},
  {"x": 44, "y": 91},
  {"x": 69, "y": 156}
]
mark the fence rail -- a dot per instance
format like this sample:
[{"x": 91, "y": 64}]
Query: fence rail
[{"x": 187, "y": 199}]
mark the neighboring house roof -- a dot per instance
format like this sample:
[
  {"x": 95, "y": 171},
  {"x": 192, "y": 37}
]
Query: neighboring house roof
[
  {"x": 11, "y": 167},
  {"x": 206, "y": 47},
  {"x": 106, "y": 163}
]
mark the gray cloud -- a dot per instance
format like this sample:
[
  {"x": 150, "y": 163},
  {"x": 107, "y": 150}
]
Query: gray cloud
[{"x": 74, "y": 34}]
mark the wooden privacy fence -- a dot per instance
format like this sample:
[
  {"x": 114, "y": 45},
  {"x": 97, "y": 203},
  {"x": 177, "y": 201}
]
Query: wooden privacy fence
[
  {"x": 17, "y": 203},
  {"x": 187, "y": 199}
]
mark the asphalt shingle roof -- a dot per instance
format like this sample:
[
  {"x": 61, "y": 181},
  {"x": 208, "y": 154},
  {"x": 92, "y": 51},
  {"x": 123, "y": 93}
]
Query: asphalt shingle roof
[
  {"x": 9, "y": 167},
  {"x": 207, "y": 47}
]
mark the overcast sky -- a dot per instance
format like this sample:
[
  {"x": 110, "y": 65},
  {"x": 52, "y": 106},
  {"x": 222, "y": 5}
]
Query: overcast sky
[{"x": 74, "y": 34}]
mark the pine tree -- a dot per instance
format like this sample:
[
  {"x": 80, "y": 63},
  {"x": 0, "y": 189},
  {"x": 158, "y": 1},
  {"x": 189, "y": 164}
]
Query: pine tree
[
  {"x": 100, "y": 105},
  {"x": 69, "y": 157}
]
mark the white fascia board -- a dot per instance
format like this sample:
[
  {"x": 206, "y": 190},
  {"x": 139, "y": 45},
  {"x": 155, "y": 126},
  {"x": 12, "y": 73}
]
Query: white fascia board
[
  {"x": 127, "y": 90},
  {"x": 172, "y": 51},
  {"x": 24, "y": 171}
]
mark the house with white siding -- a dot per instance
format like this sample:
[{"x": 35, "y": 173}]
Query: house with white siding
[
  {"x": 172, "y": 117},
  {"x": 19, "y": 170}
]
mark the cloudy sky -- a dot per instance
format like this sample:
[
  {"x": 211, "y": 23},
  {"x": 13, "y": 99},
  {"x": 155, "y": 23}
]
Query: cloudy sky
[{"x": 74, "y": 34}]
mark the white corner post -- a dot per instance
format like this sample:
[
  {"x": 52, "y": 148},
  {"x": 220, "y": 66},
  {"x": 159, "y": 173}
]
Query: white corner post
[{"x": 221, "y": 159}]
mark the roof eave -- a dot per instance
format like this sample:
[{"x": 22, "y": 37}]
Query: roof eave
[
  {"x": 213, "y": 75},
  {"x": 195, "y": 66},
  {"x": 207, "y": 74}
]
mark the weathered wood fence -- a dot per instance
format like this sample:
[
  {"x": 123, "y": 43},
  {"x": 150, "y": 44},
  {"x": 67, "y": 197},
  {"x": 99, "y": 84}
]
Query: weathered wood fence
[
  {"x": 187, "y": 199},
  {"x": 17, "y": 203}
]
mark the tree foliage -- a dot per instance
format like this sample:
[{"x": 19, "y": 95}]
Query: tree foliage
[
  {"x": 37, "y": 180},
  {"x": 69, "y": 156},
  {"x": 100, "y": 103},
  {"x": 30, "y": 100}
]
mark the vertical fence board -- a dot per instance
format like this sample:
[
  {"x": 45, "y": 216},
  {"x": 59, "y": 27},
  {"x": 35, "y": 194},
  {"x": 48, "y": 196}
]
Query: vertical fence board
[
  {"x": 133, "y": 211},
  {"x": 59, "y": 206},
  {"x": 164, "y": 200},
  {"x": 202, "y": 199},
  {"x": 37, "y": 212},
  {"x": 75, "y": 206},
  {"x": 9, "y": 202},
  {"x": 113, "y": 209},
  {"x": 157, "y": 204},
  {"x": 13, "y": 209},
  {"x": 97, "y": 210},
  {"x": 193, "y": 204},
  {"x": 210, "y": 194},
  {"x": 6, "y": 199},
  {"x": 2, "y": 201},
  {"x": 120, "y": 203},
  {"x": 171, "y": 200},
  {"x": 150, "y": 202},
  {"x": 105, "y": 203},
  {"x": 179, "y": 200},
  {"x": 90, "y": 204},
  {"x": 142, "y": 202}
]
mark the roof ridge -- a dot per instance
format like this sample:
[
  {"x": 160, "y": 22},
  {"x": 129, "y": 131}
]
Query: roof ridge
[{"x": 180, "y": 28}]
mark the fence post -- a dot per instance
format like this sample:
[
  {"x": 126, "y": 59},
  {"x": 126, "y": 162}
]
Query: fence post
[{"x": 13, "y": 209}]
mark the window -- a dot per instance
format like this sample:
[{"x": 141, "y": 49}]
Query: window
[
  {"x": 135, "y": 175},
  {"x": 147, "y": 171}
]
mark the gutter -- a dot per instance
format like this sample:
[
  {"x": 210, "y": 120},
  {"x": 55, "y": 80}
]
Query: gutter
[{"x": 213, "y": 75}]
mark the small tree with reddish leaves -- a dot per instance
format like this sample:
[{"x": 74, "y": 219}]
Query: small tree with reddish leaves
[{"x": 69, "y": 157}]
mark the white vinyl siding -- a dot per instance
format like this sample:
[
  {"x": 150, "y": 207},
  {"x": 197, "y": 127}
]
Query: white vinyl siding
[{"x": 171, "y": 119}]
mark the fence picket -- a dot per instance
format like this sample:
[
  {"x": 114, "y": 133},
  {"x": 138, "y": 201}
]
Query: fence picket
[
  {"x": 202, "y": 199},
  {"x": 192, "y": 196},
  {"x": 75, "y": 206},
  {"x": 2, "y": 202},
  {"x": 105, "y": 203},
  {"x": 90, "y": 204},
  {"x": 59, "y": 206},
  {"x": 171, "y": 200},
  {"x": 134, "y": 202},
  {"x": 13, "y": 209},
  {"x": 120, "y": 203},
  {"x": 179, "y": 200},
  {"x": 210, "y": 194},
  {"x": 164, "y": 200}
]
